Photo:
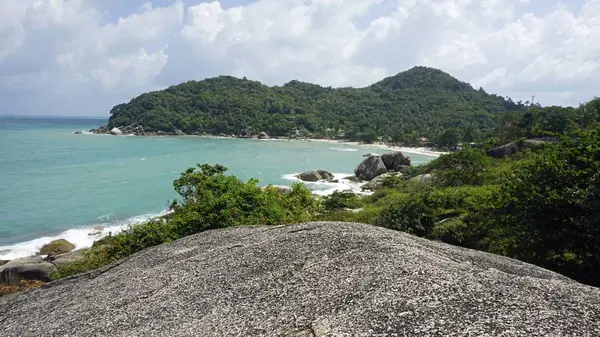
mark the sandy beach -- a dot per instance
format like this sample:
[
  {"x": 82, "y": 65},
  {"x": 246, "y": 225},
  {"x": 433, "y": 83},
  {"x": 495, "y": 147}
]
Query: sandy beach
[{"x": 382, "y": 146}]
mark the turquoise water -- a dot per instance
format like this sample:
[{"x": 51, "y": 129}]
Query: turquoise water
[{"x": 54, "y": 183}]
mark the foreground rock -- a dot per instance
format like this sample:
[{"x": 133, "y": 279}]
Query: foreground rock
[
  {"x": 315, "y": 279},
  {"x": 27, "y": 268},
  {"x": 370, "y": 168},
  {"x": 56, "y": 247},
  {"x": 513, "y": 148}
]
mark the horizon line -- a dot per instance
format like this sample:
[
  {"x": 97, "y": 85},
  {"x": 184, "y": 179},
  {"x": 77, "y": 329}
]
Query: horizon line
[{"x": 53, "y": 116}]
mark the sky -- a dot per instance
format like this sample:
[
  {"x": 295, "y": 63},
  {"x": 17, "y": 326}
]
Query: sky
[{"x": 82, "y": 57}]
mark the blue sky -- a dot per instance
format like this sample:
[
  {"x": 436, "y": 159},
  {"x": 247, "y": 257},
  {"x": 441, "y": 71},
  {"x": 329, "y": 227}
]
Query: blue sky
[{"x": 81, "y": 57}]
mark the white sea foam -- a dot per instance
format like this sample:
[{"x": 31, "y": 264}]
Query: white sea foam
[
  {"x": 324, "y": 187},
  {"x": 82, "y": 237},
  {"x": 343, "y": 149}
]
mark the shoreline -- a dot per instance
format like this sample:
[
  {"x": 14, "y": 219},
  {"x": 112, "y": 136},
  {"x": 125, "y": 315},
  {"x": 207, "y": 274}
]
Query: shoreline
[
  {"x": 383, "y": 146},
  {"x": 84, "y": 236},
  {"x": 376, "y": 145}
]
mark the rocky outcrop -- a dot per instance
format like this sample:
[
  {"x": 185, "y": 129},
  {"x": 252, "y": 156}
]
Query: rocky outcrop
[
  {"x": 513, "y": 148},
  {"x": 263, "y": 135},
  {"x": 422, "y": 178},
  {"x": 27, "y": 268},
  {"x": 56, "y": 247},
  {"x": 312, "y": 176},
  {"x": 370, "y": 168},
  {"x": 67, "y": 258},
  {"x": 377, "y": 181},
  {"x": 100, "y": 130},
  {"x": 116, "y": 132},
  {"x": 314, "y": 279},
  {"x": 281, "y": 189},
  {"x": 395, "y": 161}
]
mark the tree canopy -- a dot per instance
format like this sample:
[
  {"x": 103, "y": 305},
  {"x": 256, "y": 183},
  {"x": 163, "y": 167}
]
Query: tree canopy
[{"x": 418, "y": 102}]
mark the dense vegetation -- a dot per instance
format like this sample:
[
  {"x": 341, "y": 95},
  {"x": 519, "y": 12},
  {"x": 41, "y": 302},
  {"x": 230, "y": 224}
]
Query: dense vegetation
[
  {"x": 541, "y": 205},
  {"x": 418, "y": 102}
]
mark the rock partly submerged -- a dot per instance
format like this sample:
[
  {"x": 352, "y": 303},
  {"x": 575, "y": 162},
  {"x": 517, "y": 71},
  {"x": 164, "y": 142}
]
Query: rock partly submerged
[
  {"x": 56, "y": 247},
  {"x": 317, "y": 175},
  {"x": 314, "y": 279}
]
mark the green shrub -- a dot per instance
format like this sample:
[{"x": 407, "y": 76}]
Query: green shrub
[
  {"x": 551, "y": 207},
  {"x": 409, "y": 214},
  {"x": 462, "y": 167},
  {"x": 341, "y": 200},
  {"x": 208, "y": 199}
]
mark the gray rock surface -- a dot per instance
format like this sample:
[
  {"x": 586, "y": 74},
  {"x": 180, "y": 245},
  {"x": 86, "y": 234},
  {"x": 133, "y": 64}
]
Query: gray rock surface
[
  {"x": 377, "y": 181},
  {"x": 370, "y": 168},
  {"x": 513, "y": 148},
  {"x": 67, "y": 258},
  {"x": 116, "y": 132},
  {"x": 263, "y": 135},
  {"x": 422, "y": 178},
  {"x": 56, "y": 247},
  {"x": 27, "y": 268},
  {"x": 280, "y": 188},
  {"x": 315, "y": 175},
  {"x": 394, "y": 161},
  {"x": 315, "y": 279}
]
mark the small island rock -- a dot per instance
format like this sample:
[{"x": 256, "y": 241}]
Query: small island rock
[
  {"x": 315, "y": 175},
  {"x": 57, "y": 247}
]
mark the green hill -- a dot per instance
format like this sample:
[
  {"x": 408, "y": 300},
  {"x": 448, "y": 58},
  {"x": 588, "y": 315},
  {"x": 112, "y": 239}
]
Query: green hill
[{"x": 418, "y": 102}]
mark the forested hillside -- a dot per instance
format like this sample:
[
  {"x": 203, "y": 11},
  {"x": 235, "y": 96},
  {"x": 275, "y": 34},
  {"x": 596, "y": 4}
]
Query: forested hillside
[{"x": 418, "y": 102}]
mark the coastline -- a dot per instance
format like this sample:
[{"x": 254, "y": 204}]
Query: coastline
[
  {"x": 376, "y": 145},
  {"x": 84, "y": 236},
  {"x": 382, "y": 146}
]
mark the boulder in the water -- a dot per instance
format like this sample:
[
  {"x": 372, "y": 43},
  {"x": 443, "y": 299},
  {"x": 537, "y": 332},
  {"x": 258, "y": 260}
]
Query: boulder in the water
[
  {"x": 370, "y": 168},
  {"x": 116, "y": 131},
  {"x": 325, "y": 174},
  {"x": 57, "y": 247},
  {"x": 263, "y": 135},
  {"x": 394, "y": 161},
  {"x": 27, "y": 268},
  {"x": 315, "y": 175}
]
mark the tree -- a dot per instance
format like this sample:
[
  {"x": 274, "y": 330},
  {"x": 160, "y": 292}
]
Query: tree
[
  {"x": 552, "y": 207},
  {"x": 448, "y": 139}
]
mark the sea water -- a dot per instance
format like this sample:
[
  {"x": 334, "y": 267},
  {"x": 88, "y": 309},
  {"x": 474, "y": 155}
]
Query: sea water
[{"x": 56, "y": 184}]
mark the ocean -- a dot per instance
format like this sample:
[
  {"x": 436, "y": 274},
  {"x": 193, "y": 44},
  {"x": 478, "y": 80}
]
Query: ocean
[{"x": 56, "y": 184}]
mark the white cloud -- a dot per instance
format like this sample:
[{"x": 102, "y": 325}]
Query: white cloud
[{"x": 67, "y": 50}]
